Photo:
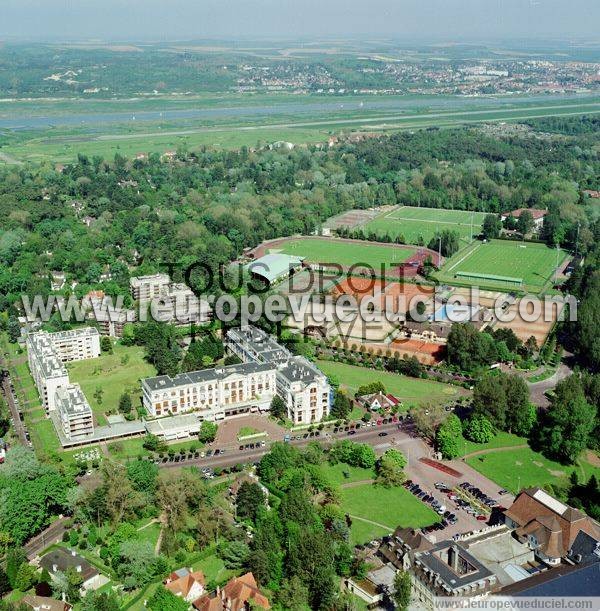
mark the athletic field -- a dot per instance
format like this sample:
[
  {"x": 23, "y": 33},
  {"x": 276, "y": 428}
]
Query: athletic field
[
  {"x": 504, "y": 264},
  {"x": 343, "y": 252},
  {"x": 414, "y": 223}
]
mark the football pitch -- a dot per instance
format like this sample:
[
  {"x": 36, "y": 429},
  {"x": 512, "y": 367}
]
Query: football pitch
[
  {"x": 344, "y": 252},
  {"x": 503, "y": 264},
  {"x": 417, "y": 224}
]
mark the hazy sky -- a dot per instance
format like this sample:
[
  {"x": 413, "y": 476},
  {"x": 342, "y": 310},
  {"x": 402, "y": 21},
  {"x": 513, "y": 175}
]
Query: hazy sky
[{"x": 186, "y": 19}]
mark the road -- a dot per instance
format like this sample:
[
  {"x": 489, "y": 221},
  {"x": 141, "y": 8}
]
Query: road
[
  {"x": 400, "y": 436},
  {"x": 12, "y": 405},
  {"x": 538, "y": 390},
  {"x": 50, "y": 535}
]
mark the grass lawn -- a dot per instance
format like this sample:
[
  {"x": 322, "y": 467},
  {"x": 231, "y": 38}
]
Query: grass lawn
[
  {"x": 113, "y": 373},
  {"x": 500, "y": 440},
  {"x": 533, "y": 263},
  {"x": 523, "y": 467},
  {"x": 127, "y": 448},
  {"x": 44, "y": 438},
  {"x": 415, "y": 223},
  {"x": 343, "y": 474},
  {"x": 411, "y": 391},
  {"x": 345, "y": 253},
  {"x": 214, "y": 569},
  {"x": 388, "y": 507}
]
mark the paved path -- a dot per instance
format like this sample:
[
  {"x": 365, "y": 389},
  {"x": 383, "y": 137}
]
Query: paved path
[
  {"x": 384, "y": 526},
  {"x": 50, "y": 535},
  {"x": 538, "y": 390}
]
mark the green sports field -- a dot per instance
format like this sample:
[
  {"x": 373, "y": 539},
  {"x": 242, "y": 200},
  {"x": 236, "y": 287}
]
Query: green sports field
[
  {"x": 535, "y": 264},
  {"x": 422, "y": 223},
  {"x": 345, "y": 253}
]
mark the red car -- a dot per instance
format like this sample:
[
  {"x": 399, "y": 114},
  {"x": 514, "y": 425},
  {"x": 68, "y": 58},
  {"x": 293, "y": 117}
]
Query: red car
[{"x": 481, "y": 518}]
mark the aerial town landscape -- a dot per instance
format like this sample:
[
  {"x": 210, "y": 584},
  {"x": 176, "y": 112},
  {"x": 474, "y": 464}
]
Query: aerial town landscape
[{"x": 299, "y": 305}]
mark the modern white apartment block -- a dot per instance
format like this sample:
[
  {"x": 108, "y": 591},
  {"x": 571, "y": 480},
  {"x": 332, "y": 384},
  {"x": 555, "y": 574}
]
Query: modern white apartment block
[
  {"x": 145, "y": 288},
  {"x": 214, "y": 393},
  {"x": 267, "y": 369},
  {"x": 77, "y": 344},
  {"x": 47, "y": 354},
  {"x": 74, "y": 412},
  {"x": 48, "y": 371}
]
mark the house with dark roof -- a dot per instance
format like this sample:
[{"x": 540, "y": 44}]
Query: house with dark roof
[
  {"x": 60, "y": 560},
  {"x": 548, "y": 526},
  {"x": 561, "y": 581}
]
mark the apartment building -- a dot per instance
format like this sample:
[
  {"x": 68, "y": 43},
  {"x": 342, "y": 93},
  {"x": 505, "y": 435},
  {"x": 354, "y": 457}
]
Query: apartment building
[
  {"x": 181, "y": 306},
  {"x": 268, "y": 369},
  {"x": 145, "y": 288},
  {"x": 77, "y": 344},
  {"x": 47, "y": 354},
  {"x": 74, "y": 412},
  {"x": 48, "y": 371},
  {"x": 215, "y": 393}
]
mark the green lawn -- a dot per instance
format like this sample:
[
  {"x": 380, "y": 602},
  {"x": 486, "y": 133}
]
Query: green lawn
[
  {"x": 523, "y": 467},
  {"x": 411, "y": 391},
  {"x": 214, "y": 569},
  {"x": 533, "y": 263},
  {"x": 388, "y": 507},
  {"x": 343, "y": 474},
  {"x": 113, "y": 373},
  {"x": 416, "y": 223},
  {"x": 500, "y": 440},
  {"x": 345, "y": 253}
]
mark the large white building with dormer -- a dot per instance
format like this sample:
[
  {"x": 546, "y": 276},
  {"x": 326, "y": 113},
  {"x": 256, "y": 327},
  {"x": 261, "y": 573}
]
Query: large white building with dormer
[{"x": 267, "y": 369}]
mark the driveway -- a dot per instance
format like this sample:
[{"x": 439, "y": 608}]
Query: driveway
[
  {"x": 538, "y": 390},
  {"x": 227, "y": 435}
]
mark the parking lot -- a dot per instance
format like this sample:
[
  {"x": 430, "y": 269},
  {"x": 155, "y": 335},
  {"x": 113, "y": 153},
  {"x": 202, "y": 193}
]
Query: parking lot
[{"x": 426, "y": 476}]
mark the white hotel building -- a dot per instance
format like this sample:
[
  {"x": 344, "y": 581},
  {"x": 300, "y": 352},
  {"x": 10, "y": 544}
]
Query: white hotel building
[{"x": 218, "y": 393}]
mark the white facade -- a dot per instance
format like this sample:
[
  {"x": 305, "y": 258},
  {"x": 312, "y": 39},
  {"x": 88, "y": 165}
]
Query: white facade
[
  {"x": 268, "y": 369},
  {"x": 74, "y": 412},
  {"x": 145, "y": 288},
  {"x": 213, "y": 393},
  {"x": 47, "y": 353}
]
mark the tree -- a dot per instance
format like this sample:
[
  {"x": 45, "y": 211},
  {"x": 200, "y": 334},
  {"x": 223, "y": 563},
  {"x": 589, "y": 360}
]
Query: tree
[
  {"x": 525, "y": 222},
  {"x": 567, "y": 424},
  {"x": 249, "y": 499},
  {"x": 447, "y": 240},
  {"x": 164, "y": 600},
  {"x": 5, "y": 586},
  {"x": 448, "y": 437},
  {"x": 125, "y": 405},
  {"x": 13, "y": 329},
  {"x": 370, "y": 388},
  {"x": 234, "y": 554},
  {"x": 492, "y": 226},
  {"x": 143, "y": 475},
  {"x": 402, "y": 590},
  {"x": 427, "y": 418},
  {"x": 278, "y": 408},
  {"x": 341, "y": 405},
  {"x": 25, "y": 577},
  {"x": 390, "y": 468},
  {"x": 14, "y": 559},
  {"x": 100, "y": 601},
  {"x": 106, "y": 344},
  {"x": 478, "y": 429},
  {"x": 293, "y": 595},
  {"x": 208, "y": 431}
]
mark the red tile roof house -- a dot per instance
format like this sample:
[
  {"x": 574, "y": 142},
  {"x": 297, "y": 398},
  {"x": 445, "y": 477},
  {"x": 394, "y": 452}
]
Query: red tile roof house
[
  {"x": 538, "y": 215},
  {"x": 240, "y": 594},
  {"x": 548, "y": 526},
  {"x": 186, "y": 583},
  {"x": 379, "y": 401}
]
